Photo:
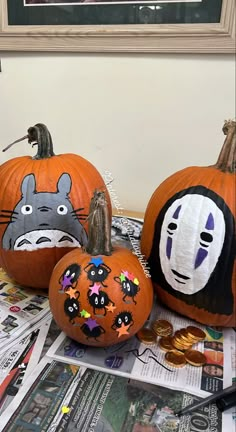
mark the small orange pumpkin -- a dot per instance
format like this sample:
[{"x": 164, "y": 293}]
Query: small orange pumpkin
[
  {"x": 44, "y": 202},
  {"x": 188, "y": 238},
  {"x": 100, "y": 296}
]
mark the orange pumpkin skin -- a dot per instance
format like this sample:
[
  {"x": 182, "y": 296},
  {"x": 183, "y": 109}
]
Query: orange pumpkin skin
[
  {"x": 215, "y": 302},
  {"x": 116, "y": 313},
  {"x": 34, "y": 267}
]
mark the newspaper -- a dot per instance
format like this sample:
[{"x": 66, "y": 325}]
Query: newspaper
[
  {"x": 64, "y": 397},
  {"x": 232, "y": 411},
  {"x": 135, "y": 360},
  {"x": 17, "y": 363},
  {"x": 20, "y": 309},
  {"x": 22, "y": 358}
]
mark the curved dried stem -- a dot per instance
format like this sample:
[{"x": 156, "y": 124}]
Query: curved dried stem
[
  {"x": 38, "y": 135},
  {"x": 227, "y": 158}
]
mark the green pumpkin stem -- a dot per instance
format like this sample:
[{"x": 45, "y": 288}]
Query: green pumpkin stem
[
  {"x": 99, "y": 226},
  {"x": 38, "y": 135},
  {"x": 227, "y": 158}
]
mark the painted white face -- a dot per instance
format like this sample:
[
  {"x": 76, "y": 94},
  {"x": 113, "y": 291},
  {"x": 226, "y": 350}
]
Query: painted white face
[{"x": 192, "y": 237}]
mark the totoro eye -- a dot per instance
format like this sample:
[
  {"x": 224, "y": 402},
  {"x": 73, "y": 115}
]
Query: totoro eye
[
  {"x": 27, "y": 209},
  {"x": 62, "y": 209}
]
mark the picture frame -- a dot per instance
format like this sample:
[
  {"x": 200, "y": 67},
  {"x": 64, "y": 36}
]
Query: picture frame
[{"x": 122, "y": 38}]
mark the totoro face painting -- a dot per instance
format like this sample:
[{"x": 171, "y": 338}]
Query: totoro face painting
[
  {"x": 191, "y": 241},
  {"x": 44, "y": 219}
]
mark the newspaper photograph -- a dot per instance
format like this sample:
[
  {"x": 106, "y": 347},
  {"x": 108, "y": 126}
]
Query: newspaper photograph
[
  {"x": 65, "y": 397},
  {"x": 138, "y": 361}
]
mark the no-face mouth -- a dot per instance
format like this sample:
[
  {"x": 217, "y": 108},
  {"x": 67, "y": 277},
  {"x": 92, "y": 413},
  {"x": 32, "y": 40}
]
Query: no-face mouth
[
  {"x": 183, "y": 278},
  {"x": 40, "y": 239}
]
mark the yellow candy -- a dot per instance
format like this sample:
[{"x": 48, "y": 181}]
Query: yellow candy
[{"x": 65, "y": 410}]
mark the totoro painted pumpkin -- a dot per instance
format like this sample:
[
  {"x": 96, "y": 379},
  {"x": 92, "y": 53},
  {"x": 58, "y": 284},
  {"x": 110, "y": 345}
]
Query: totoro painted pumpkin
[
  {"x": 44, "y": 202},
  {"x": 189, "y": 241},
  {"x": 100, "y": 295}
]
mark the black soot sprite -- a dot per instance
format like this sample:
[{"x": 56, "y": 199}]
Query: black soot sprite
[
  {"x": 92, "y": 330},
  {"x": 99, "y": 301},
  {"x": 122, "y": 318},
  {"x": 128, "y": 287},
  {"x": 71, "y": 308},
  {"x": 97, "y": 270},
  {"x": 70, "y": 276}
]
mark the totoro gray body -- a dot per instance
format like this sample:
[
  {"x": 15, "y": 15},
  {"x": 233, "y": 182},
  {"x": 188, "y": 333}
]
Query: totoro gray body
[{"x": 44, "y": 219}]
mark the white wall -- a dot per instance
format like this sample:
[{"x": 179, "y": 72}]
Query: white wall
[{"x": 142, "y": 117}]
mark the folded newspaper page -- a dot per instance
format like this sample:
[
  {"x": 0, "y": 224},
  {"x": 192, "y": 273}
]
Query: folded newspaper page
[
  {"x": 64, "y": 397},
  {"x": 20, "y": 360},
  {"x": 135, "y": 360},
  {"x": 20, "y": 308}
]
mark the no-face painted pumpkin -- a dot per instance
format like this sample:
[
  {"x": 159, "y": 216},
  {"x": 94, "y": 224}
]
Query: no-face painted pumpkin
[
  {"x": 44, "y": 203},
  {"x": 188, "y": 238},
  {"x": 100, "y": 296}
]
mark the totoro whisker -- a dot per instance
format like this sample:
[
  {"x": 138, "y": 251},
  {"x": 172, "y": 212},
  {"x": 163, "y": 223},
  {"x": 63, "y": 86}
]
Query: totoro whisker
[
  {"x": 8, "y": 216},
  {"x": 81, "y": 214},
  {"x": 7, "y": 223},
  {"x": 77, "y": 210},
  {"x": 79, "y": 219},
  {"x": 9, "y": 211}
]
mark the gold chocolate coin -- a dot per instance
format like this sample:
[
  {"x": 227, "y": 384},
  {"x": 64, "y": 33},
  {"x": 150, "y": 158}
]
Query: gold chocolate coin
[
  {"x": 196, "y": 333},
  {"x": 195, "y": 358},
  {"x": 165, "y": 343},
  {"x": 185, "y": 336},
  {"x": 178, "y": 337},
  {"x": 175, "y": 358},
  {"x": 162, "y": 327},
  {"x": 146, "y": 336},
  {"x": 178, "y": 345}
]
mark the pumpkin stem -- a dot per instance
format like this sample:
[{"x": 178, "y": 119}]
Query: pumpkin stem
[
  {"x": 227, "y": 158},
  {"x": 38, "y": 135},
  {"x": 99, "y": 226}
]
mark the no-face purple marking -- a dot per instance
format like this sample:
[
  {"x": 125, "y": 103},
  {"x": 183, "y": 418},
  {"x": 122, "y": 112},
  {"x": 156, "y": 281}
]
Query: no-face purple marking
[
  {"x": 171, "y": 228},
  {"x": 210, "y": 222},
  {"x": 201, "y": 255},
  {"x": 176, "y": 213},
  {"x": 168, "y": 247}
]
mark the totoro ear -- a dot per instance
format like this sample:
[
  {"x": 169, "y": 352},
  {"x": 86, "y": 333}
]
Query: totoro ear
[
  {"x": 28, "y": 185},
  {"x": 64, "y": 184}
]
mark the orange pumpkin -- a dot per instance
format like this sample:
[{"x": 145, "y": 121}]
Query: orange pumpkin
[
  {"x": 100, "y": 296},
  {"x": 44, "y": 202},
  {"x": 188, "y": 239}
]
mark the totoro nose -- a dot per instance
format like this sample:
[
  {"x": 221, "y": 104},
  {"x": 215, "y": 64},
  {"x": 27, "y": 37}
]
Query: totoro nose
[{"x": 44, "y": 208}]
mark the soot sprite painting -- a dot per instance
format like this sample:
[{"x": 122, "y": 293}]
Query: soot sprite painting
[{"x": 100, "y": 299}]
